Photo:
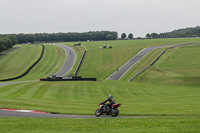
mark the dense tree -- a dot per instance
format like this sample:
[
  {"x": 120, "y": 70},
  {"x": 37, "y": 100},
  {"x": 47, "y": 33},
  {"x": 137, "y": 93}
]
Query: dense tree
[
  {"x": 148, "y": 35},
  {"x": 92, "y": 35},
  {"x": 109, "y": 37},
  {"x": 7, "y": 42},
  {"x": 130, "y": 36},
  {"x": 154, "y": 35},
  {"x": 13, "y": 39},
  {"x": 123, "y": 36},
  {"x": 187, "y": 32}
]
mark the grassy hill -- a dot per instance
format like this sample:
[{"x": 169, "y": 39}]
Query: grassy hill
[
  {"x": 52, "y": 61},
  {"x": 181, "y": 68},
  {"x": 169, "y": 88},
  {"x": 71, "y": 97},
  {"x": 102, "y": 63},
  {"x": 83, "y": 97},
  {"x": 19, "y": 60}
]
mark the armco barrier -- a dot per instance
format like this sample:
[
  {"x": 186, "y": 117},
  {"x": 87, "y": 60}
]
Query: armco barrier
[
  {"x": 75, "y": 73},
  {"x": 78, "y": 44},
  {"x": 158, "y": 58},
  {"x": 74, "y": 78},
  {"x": 27, "y": 71}
]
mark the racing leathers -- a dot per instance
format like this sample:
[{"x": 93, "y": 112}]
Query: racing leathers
[{"x": 111, "y": 100}]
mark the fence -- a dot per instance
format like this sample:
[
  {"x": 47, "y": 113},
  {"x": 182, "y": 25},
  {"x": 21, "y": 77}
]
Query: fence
[{"x": 77, "y": 69}]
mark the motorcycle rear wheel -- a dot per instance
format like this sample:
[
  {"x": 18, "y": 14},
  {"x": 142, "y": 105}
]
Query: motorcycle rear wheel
[
  {"x": 114, "y": 112},
  {"x": 97, "y": 113}
]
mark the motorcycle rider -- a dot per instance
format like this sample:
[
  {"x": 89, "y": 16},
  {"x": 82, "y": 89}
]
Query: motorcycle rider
[{"x": 111, "y": 100}]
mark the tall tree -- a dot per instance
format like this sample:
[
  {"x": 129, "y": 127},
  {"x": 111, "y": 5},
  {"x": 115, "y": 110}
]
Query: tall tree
[
  {"x": 154, "y": 35},
  {"x": 7, "y": 42},
  {"x": 123, "y": 36},
  {"x": 130, "y": 36},
  {"x": 13, "y": 38},
  {"x": 148, "y": 36}
]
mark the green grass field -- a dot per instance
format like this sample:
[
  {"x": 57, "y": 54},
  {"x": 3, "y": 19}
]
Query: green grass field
[
  {"x": 122, "y": 125},
  {"x": 53, "y": 59},
  {"x": 18, "y": 61},
  {"x": 169, "y": 88},
  {"x": 138, "y": 99}
]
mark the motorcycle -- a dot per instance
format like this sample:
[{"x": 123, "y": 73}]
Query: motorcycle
[{"x": 105, "y": 109}]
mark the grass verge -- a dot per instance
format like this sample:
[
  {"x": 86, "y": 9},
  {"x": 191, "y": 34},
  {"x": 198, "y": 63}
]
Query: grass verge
[{"x": 125, "y": 125}]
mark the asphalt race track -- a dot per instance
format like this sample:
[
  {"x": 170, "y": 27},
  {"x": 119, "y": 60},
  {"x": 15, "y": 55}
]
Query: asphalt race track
[
  {"x": 71, "y": 57},
  {"x": 123, "y": 69},
  {"x": 5, "y": 113}
]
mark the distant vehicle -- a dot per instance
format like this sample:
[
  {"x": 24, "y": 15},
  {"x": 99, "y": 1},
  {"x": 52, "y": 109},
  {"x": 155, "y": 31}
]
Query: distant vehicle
[{"x": 104, "y": 109}]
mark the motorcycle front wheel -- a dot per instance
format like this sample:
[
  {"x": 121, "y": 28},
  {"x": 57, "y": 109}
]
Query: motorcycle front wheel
[
  {"x": 98, "y": 113},
  {"x": 114, "y": 112}
]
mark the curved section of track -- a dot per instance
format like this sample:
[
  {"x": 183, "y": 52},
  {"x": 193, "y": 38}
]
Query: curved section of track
[
  {"x": 123, "y": 69},
  {"x": 71, "y": 57}
]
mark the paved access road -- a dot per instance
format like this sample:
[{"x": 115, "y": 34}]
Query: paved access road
[
  {"x": 123, "y": 69},
  {"x": 71, "y": 57}
]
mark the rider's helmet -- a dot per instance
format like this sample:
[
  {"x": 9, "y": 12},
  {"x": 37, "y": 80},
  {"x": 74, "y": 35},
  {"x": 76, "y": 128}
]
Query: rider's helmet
[{"x": 110, "y": 96}]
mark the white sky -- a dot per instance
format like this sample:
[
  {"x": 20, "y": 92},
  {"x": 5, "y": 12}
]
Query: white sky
[{"x": 129, "y": 16}]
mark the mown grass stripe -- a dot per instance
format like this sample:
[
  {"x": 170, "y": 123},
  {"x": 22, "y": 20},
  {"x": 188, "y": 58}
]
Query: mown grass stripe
[
  {"x": 21, "y": 90},
  {"x": 51, "y": 92},
  {"x": 9, "y": 91},
  {"x": 31, "y": 90},
  {"x": 39, "y": 94}
]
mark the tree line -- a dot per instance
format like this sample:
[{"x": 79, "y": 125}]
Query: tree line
[
  {"x": 7, "y": 42},
  {"x": 66, "y": 37},
  {"x": 187, "y": 32}
]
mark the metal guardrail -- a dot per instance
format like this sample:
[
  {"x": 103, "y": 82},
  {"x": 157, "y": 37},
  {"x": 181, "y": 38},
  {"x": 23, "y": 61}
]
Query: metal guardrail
[
  {"x": 73, "y": 78},
  {"x": 158, "y": 58},
  {"x": 77, "y": 69}
]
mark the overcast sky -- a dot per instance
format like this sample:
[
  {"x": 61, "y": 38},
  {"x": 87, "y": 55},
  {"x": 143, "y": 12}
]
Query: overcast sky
[{"x": 129, "y": 16}]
